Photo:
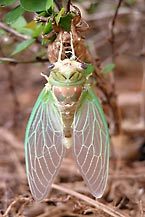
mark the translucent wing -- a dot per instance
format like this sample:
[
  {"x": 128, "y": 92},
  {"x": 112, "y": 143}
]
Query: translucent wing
[
  {"x": 91, "y": 142},
  {"x": 43, "y": 145}
]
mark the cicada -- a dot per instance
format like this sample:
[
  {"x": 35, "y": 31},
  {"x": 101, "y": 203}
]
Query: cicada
[{"x": 67, "y": 114}]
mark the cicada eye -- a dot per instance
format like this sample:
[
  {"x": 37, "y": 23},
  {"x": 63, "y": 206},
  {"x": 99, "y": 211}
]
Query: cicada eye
[
  {"x": 51, "y": 66},
  {"x": 84, "y": 66}
]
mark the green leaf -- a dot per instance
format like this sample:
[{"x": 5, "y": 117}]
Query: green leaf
[
  {"x": 13, "y": 15},
  {"x": 65, "y": 22},
  {"x": 34, "y": 5},
  {"x": 31, "y": 27},
  {"x": 19, "y": 23},
  {"x": 57, "y": 18},
  {"x": 42, "y": 14},
  {"x": 7, "y": 2},
  {"x": 49, "y": 4},
  {"x": 26, "y": 31},
  {"x": 38, "y": 31},
  {"x": 108, "y": 68},
  {"x": 89, "y": 69},
  {"x": 44, "y": 41},
  {"x": 47, "y": 13},
  {"x": 22, "y": 46},
  {"x": 23, "y": 27},
  {"x": 48, "y": 27}
]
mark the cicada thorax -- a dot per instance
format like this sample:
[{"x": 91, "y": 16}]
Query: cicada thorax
[{"x": 67, "y": 95}]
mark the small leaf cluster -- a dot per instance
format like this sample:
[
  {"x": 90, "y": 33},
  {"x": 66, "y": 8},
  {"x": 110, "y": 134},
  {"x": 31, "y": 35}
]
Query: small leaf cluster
[
  {"x": 15, "y": 18},
  {"x": 56, "y": 21}
]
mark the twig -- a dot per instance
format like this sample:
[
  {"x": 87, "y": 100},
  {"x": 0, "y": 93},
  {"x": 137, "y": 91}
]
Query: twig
[
  {"x": 14, "y": 32},
  {"x": 41, "y": 19},
  {"x": 68, "y": 6},
  {"x": 17, "y": 201},
  {"x": 111, "y": 211},
  {"x": 58, "y": 4},
  {"x": 112, "y": 80},
  {"x": 113, "y": 23},
  {"x": 15, "y": 61},
  {"x": 112, "y": 37}
]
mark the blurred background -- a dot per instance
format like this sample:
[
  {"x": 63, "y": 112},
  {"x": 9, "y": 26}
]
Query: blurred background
[{"x": 115, "y": 37}]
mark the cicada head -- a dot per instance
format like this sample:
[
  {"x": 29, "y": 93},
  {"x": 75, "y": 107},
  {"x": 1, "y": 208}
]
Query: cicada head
[{"x": 67, "y": 72}]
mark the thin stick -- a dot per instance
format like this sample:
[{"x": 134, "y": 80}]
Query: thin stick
[
  {"x": 14, "y": 32},
  {"x": 18, "y": 200},
  {"x": 41, "y": 19},
  {"x": 57, "y": 4},
  {"x": 112, "y": 212},
  {"x": 112, "y": 41},
  {"x": 68, "y": 6},
  {"x": 112, "y": 26},
  {"x": 15, "y": 61},
  {"x": 113, "y": 22}
]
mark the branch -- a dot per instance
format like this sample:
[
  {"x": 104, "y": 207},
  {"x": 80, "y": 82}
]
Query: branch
[
  {"x": 57, "y": 3},
  {"x": 14, "y": 32},
  {"x": 105, "y": 208},
  {"x": 113, "y": 23},
  {"x": 19, "y": 200},
  {"x": 112, "y": 79},
  {"x": 68, "y": 6},
  {"x": 15, "y": 61}
]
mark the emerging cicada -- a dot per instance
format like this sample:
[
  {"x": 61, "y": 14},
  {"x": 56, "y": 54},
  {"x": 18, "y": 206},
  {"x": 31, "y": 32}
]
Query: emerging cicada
[{"x": 67, "y": 114}]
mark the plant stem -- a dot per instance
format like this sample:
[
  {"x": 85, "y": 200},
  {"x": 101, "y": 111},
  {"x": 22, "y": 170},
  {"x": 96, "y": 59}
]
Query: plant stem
[{"x": 68, "y": 6}]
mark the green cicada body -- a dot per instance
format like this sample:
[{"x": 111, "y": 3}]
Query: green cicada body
[{"x": 67, "y": 114}]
